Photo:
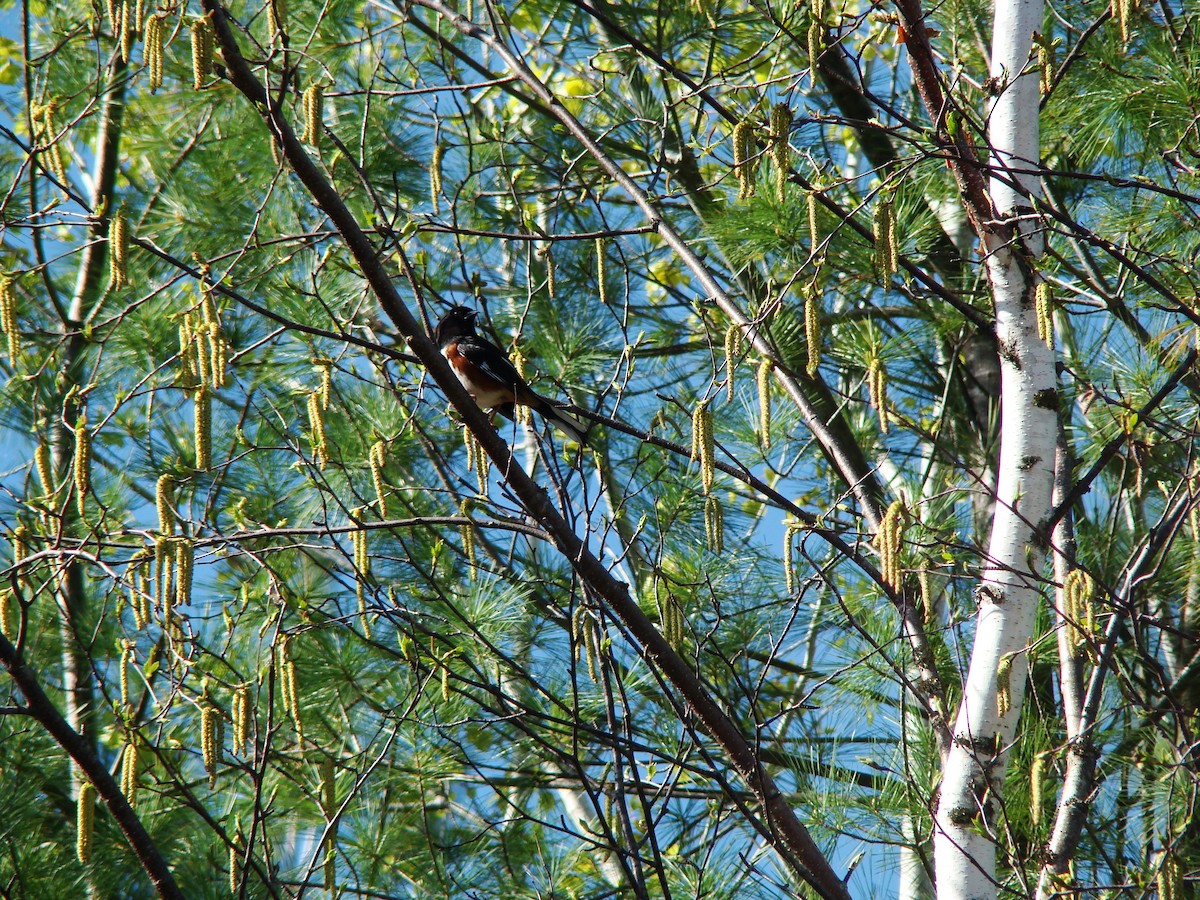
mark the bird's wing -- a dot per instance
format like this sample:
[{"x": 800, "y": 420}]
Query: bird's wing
[{"x": 491, "y": 360}]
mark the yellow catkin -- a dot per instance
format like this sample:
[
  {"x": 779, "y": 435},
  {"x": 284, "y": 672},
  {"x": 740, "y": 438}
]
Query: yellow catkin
[
  {"x": 202, "y": 51},
  {"x": 1037, "y": 777},
  {"x": 602, "y": 269},
  {"x": 45, "y": 468},
  {"x": 164, "y": 559},
  {"x": 789, "y": 568},
  {"x": 234, "y": 875},
  {"x": 445, "y": 678},
  {"x": 1169, "y": 879},
  {"x": 203, "y": 353},
  {"x": 126, "y": 662},
  {"x": 1120, "y": 13},
  {"x": 240, "y": 714},
  {"x": 702, "y": 443},
  {"x": 8, "y": 619},
  {"x": 209, "y": 738},
  {"x": 670, "y": 617},
  {"x": 743, "y": 158},
  {"x": 781, "y": 148},
  {"x": 591, "y": 643},
  {"x": 714, "y": 524},
  {"x": 1079, "y": 591},
  {"x": 20, "y": 544},
  {"x": 889, "y": 541},
  {"x": 185, "y": 555},
  {"x": 164, "y": 502},
  {"x": 1044, "y": 301},
  {"x": 189, "y": 376},
  {"x": 129, "y": 770},
  {"x": 83, "y": 461},
  {"x": 203, "y": 428},
  {"x": 324, "y": 369},
  {"x": 378, "y": 458},
  {"x": 883, "y": 232},
  {"x": 277, "y": 19},
  {"x": 47, "y": 134},
  {"x": 85, "y": 810},
  {"x": 814, "y": 220},
  {"x": 548, "y": 254},
  {"x": 152, "y": 56},
  {"x": 8, "y": 317},
  {"x": 435, "y": 180},
  {"x": 317, "y": 437},
  {"x": 812, "y": 329},
  {"x": 926, "y": 587},
  {"x": 1004, "y": 684},
  {"x": 877, "y": 390},
  {"x": 816, "y": 40},
  {"x": 113, "y": 8},
  {"x": 764, "y": 401},
  {"x": 1045, "y": 55},
  {"x": 734, "y": 339},
  {"x": 128, "y": 31},
  {"x": 313, "y": 111}
]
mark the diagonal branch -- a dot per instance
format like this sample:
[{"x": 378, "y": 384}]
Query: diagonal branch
[
  {"x": 41, "y": 708},
  {"x": 788, "y": 835}
]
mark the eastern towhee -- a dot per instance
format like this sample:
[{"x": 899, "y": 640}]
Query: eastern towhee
[{"x": 489, "y": 377}]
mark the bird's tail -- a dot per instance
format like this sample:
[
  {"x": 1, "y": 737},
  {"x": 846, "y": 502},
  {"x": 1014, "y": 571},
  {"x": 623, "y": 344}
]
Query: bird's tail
[{"x": 563, "y": 421}]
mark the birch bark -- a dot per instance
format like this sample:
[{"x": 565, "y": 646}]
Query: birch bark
[{"x": 966, "y": 821}]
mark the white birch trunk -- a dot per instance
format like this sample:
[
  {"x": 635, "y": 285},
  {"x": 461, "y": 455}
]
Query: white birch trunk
[{"x": 966, "y": 827}]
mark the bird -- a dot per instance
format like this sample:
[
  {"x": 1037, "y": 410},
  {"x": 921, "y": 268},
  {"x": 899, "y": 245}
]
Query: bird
[{"x": 492, "y": 381}]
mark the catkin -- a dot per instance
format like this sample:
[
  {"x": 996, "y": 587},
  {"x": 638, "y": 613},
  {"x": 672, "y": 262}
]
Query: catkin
[
  {"x": 1169, "y": 879},
  {"x": 781, "y": 148},
  {"x": 812, "y": 329},
  {"x": 240, "y": 713},
  {"x": 816, "y": 38},
  {"x": 164, "y": 502},
  {"x": 7, "y": 620},
  {"x": 202, "y": 51},
  {"x": 733, "y": 349},
  {"x": 313, "y": 111},
  {"x": 378, "y": 458},
  {"x": 85, "y": 810},
  {"x": 601, "y": 270},
  {"x": 743, "y": 158},
  {"x": 45, "y": 468},
  {"x": 548, "y": 255},
  {"x": 129, "y": 770},
  {"x": 877, "y": 390},
  {"x": 324, "y": 367},
  {"x": 126, "y": 661},
  {"x": 435, "y": 180},
  {"x": 789, "y": 568},
  {"x": 203, "y": 428},
  {"x": 8, "y": 318},
  {"x": 1121, "y": 10},
  {"x": 888, "y": 541},
  {"x": 884, "y": 233},
  {"x": 714, "y": 524},
  {"x": 47, "y": 133},
  {"x": 234, "y": 875},
  {"x": 277, "y": 19},
  {"x": 702, "y": 443},
  {"x": 1079, "y": 592},
  {"x": 210, "y": 744},
  {"x": 317, "y": 438},
  {"x": 128, "y": 31},
  {"x": 1004, "y": 684},
  {"x": 83, "y": 461},
  {"x": 814, "y": 222},
  {"x": 764, "y": 401},
  {"x": 185, "y": 556},
  {"x": 1043, "y": 300},
  {"x": 153, "y": 53},
  {"x": 1037, "y": 775}
]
